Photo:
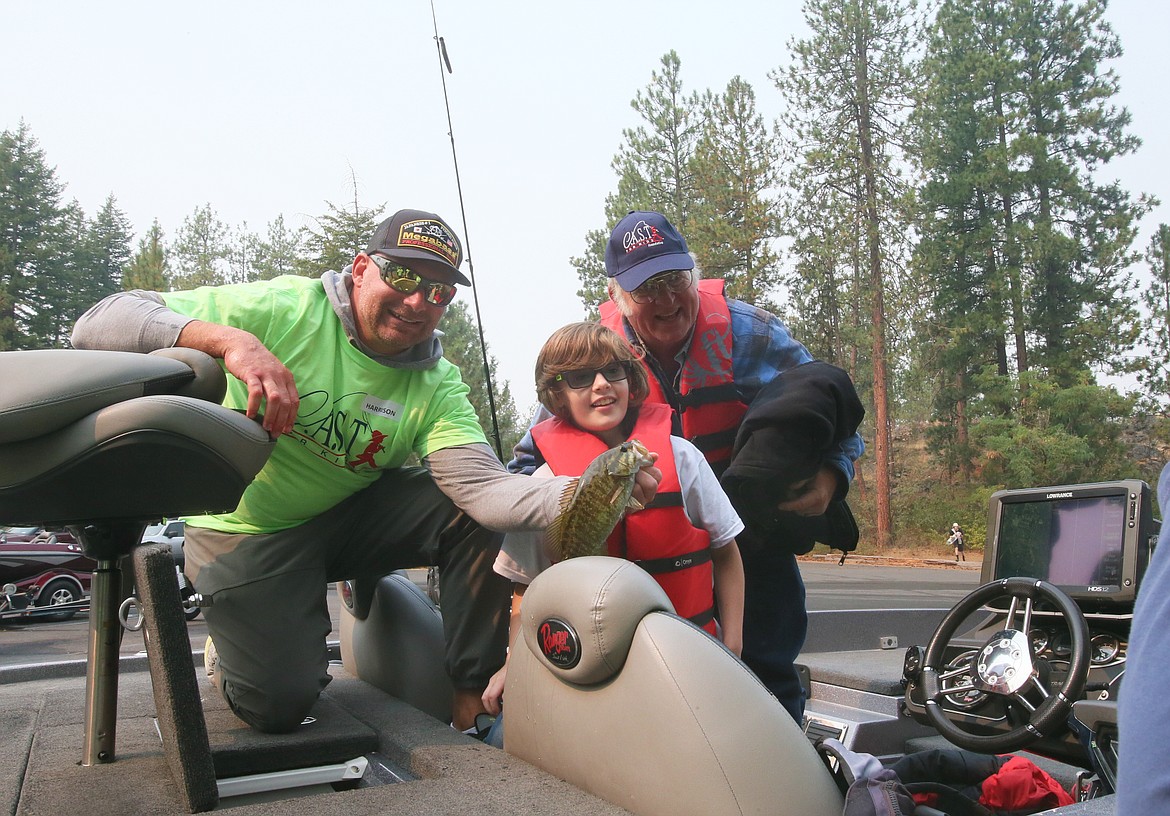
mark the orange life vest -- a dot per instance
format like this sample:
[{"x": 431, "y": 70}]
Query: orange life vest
[
  {"x": 659, "y": 538},
  {"x": 707, "y": 402}
]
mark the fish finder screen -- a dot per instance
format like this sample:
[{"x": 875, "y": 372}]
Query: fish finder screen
[{"x": 1069, "y": 542}]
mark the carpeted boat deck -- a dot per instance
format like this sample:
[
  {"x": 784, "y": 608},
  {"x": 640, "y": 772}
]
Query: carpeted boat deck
[{"x": 41, "y": 734}]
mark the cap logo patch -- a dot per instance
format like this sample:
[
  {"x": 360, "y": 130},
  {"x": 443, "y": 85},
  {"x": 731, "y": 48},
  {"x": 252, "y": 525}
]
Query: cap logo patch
[
  {"x": 641, "y": 236},
  {"x": 430, "y": 235},
  {"x": 559, "y": 643}
]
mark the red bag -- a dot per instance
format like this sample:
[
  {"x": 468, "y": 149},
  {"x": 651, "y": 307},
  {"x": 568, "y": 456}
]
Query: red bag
[{"x": 1020, "y": 785}]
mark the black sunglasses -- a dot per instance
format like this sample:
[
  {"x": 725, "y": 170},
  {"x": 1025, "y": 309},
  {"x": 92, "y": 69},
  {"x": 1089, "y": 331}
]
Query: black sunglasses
[
  {"x": 403, "y": 280},
  {"x": 584, "y": 377}
]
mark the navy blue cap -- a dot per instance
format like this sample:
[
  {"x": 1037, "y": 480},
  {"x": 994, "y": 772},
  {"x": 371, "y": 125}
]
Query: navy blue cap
[{"x": 642, "y": 245}]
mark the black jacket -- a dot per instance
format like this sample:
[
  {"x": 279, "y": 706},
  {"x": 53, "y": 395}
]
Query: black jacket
[{"x": 791, "y": 426}]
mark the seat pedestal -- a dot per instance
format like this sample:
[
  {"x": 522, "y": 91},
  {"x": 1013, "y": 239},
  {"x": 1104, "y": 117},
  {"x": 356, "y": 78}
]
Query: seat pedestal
[
  {"x": 176, "y": 693},
  {"x": 101, "y": 674}
]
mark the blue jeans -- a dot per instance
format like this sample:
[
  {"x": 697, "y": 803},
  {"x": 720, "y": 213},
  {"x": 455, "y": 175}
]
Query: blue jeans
[
  {"x": 774, "y": 619},
  {"x": 495, "y": 734}
]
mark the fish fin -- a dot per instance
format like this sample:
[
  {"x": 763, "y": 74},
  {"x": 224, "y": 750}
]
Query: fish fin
[
  {"x": 633, "y": 505},
  {"x": 553, "y": 535},
  {"x": 556, "y": 530}
]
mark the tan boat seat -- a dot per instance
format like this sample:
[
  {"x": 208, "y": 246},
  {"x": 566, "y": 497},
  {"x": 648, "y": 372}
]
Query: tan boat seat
[{"x": 608, "y": 689}]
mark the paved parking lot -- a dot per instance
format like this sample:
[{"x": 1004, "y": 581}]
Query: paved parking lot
[{"x": 32, "y": 642}]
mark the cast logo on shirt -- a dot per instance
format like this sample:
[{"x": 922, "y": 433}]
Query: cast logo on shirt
[
  {"x": 366, "y": 457},
  {"x": 345, "y": 431},
  {"x": 431, "y": 235},
  {"x": 559, "y": 643}
]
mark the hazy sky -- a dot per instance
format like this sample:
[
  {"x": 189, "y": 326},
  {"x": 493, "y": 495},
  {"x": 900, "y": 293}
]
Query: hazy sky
[{"x": 261, "y": 108}]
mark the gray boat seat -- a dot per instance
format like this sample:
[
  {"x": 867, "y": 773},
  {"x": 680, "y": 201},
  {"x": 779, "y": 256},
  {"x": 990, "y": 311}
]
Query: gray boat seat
[
  {"x": 89, "y": 436},
  {"x": 608, "y": 689},
  {"x": 394, "y": 641},
  {"x": 105, "y": 442}
]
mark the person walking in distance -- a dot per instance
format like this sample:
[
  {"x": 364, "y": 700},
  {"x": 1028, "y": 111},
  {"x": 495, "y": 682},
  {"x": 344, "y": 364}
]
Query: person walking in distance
[{"x": 956, "y": 540}]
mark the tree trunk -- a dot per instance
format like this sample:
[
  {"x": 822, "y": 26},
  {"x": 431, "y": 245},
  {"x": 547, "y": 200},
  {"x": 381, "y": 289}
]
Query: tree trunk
[
  {"x": 884, "y": 528},
  {"x": 1011, "y": 253}
]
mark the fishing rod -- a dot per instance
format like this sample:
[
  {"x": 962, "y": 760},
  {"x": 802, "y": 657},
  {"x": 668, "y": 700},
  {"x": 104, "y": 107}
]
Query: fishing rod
[{"x": 445, "y": 62}]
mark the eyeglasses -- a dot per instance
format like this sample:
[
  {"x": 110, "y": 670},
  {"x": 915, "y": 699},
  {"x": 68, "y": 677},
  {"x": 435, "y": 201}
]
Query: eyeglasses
[
  {"x": 403, "y": 280},
  {"x": 585, "y": 377},
  {"x": 677, "y": 281}
]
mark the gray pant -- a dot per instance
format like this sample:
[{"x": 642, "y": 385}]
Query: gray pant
[{"x": 269, "y": 617}]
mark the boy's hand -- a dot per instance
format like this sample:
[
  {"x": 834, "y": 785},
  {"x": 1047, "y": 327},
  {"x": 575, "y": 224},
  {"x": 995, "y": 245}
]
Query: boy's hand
[
  {"x": 646, "y": 482},
  {"x": 493, "y": 695}
]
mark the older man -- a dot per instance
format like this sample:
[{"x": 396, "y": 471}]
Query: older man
[
  {"x": 709, "y": 357},
  {"x": 349, "y": 374}
]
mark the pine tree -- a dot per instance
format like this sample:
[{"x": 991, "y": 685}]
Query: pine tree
[
  {"x": 279, "y": 254},
  {"x": 735, "y": 171},
  {"x": 653, "y": 167},
  {"x": 1028, "y": 249},
  {"x": 824, "y": 308},
  {"x": 199, "y": 253},
  {"x": 967, "y": 244},
  {"x": 243, "y": 254},
  {"x": 1154, "y": 374},
  {"x": 90, "y": 267},
  {"x": 847, "y": 92},
  {"x": 591, "y": 268},
  {"x": 148, "y": 268},
  {"x": 339, "y": 237},
  {"x": 56, "y": 287},
  {"x": 110, "y": 237},
  {"x": 461, "y": 346},
  {"x": 656, "y": 163},
  {"x": 32, "y": 222},
  {"x": 1079, "y": 298}
]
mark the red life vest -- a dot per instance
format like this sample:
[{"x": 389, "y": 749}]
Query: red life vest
[
  {"x": 660, "y": 538},
  {"x": 707, "y": 402}
]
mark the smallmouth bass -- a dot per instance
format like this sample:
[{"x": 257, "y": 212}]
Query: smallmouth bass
[{"x": 604, "y": 492}]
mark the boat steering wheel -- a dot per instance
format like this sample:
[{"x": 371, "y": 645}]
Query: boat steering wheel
[{"x": 1006, "y": 666}]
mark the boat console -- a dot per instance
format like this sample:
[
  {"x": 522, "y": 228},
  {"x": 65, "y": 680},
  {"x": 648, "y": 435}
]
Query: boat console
[
  {"x": 1031, "y": 660},
  {"x": 1091, "y": 543}
]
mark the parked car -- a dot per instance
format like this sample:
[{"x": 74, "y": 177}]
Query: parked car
[
  {"x": 169, "y": 532},
  {"x": 46, "y": 565},
  {"x": 173, "y": 533}
]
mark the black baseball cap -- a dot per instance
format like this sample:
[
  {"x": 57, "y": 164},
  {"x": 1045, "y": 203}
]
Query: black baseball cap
[{"x": 421, "y": 241}]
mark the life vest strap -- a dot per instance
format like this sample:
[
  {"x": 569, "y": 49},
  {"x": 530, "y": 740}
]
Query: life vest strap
[
  {"x": 703, "y": 618},
  {"x": 724, "y": 392},
  {"x": 715, "y": 441},
  {"x": 674, "y": 563},
  {"x": 671, "y": 498}
]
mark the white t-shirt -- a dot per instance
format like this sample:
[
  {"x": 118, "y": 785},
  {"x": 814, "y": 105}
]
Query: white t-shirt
[{"x": 523, "y": 556}]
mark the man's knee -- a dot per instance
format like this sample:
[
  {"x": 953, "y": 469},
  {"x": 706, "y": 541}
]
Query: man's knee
[{"x": 278, "y": 707}]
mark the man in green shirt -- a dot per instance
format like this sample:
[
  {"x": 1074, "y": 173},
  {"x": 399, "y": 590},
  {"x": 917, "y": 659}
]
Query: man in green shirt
[{"x": 347, "y": 372}]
